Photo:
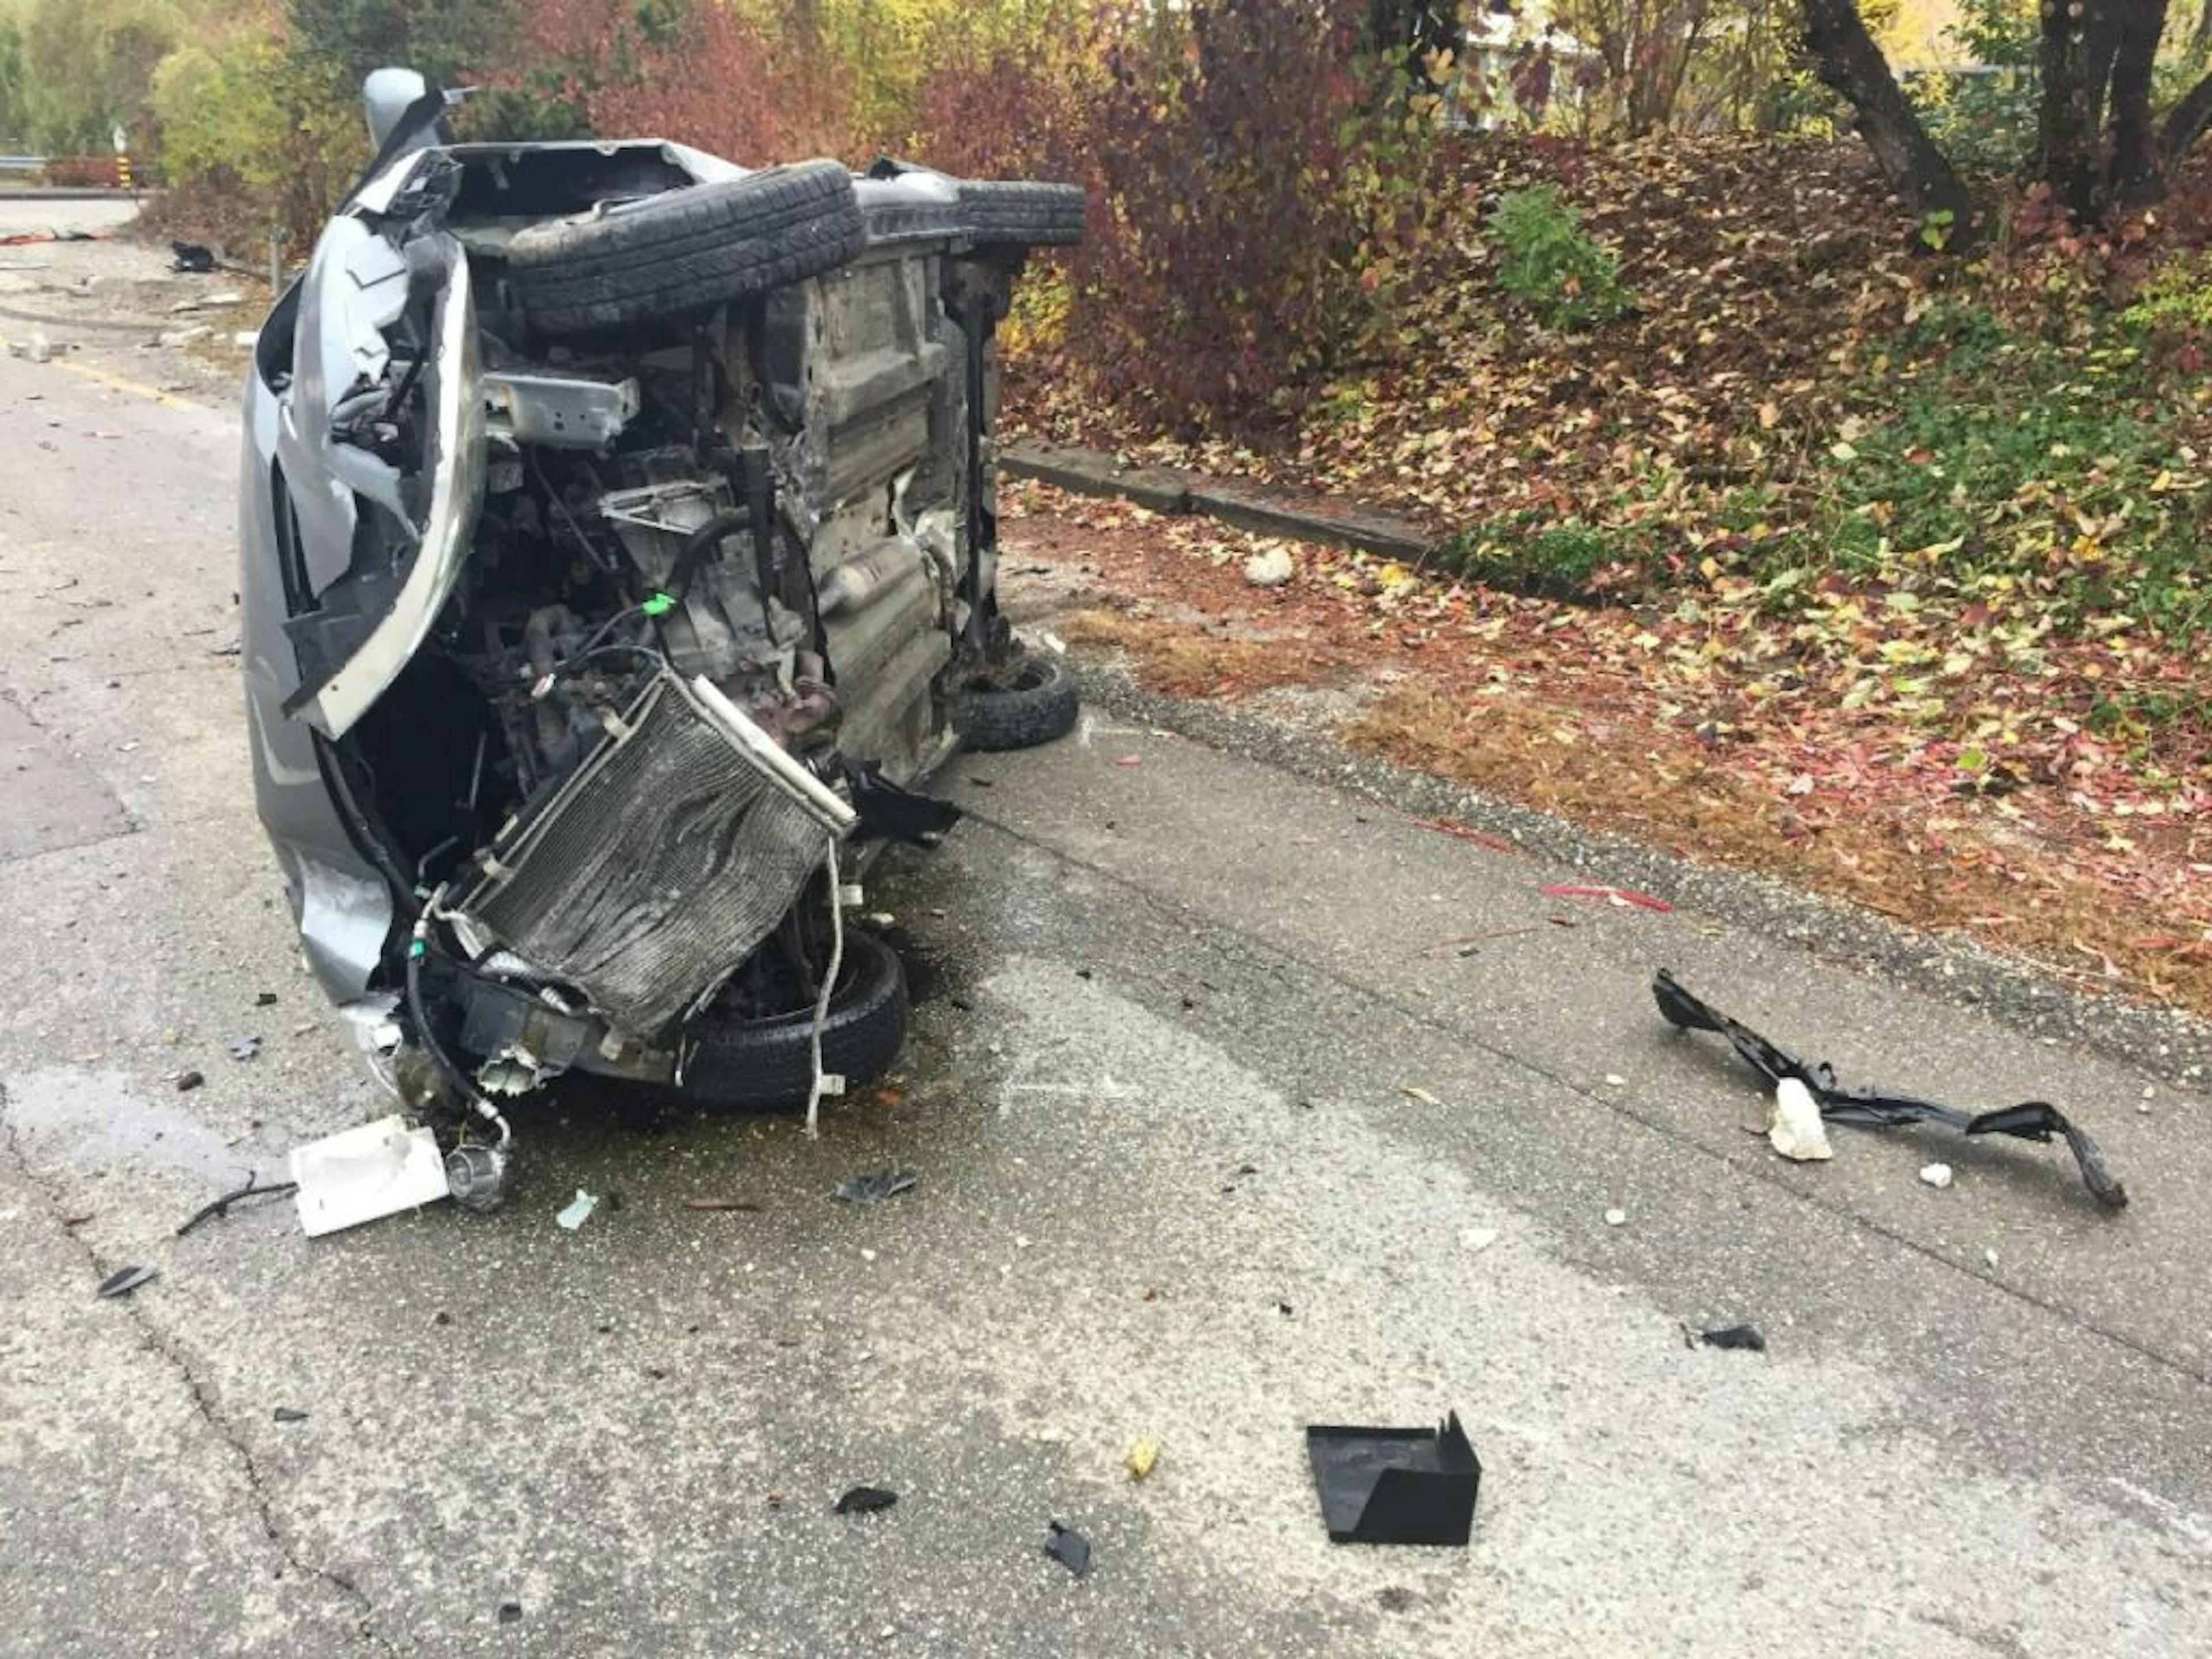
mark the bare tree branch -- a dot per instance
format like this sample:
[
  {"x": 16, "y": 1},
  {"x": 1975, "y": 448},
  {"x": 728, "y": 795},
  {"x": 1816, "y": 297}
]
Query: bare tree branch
[{"x": 2186, "y": 121}]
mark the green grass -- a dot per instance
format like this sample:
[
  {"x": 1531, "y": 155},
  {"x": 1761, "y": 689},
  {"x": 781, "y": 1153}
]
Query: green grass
[{"x": 2050, "y": 482}]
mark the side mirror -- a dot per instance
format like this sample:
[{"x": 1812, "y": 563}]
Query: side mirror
[{"x": 387, "y": 93}]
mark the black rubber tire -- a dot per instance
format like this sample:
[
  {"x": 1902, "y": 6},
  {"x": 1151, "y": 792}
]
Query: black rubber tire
[
  {"x": 766, "y": 1065},
  {"x": 685, "y": 250},
  {"x": 1020, "y": 213},
  {"x": 1039, "y": 706}
]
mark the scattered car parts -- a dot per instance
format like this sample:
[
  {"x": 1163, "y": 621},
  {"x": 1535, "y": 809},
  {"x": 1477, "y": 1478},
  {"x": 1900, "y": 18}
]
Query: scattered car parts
[
  {"x": 1396, "y": 1485},
  {"x": 1746, "y": 1338},
  {"x": 2032, "y": 1120},
  {"x": 369, "y": 1170},
  {"x": 1069, "y": 1548}
]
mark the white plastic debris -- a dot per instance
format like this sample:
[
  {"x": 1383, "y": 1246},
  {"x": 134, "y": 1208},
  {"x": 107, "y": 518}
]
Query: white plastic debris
[
  {"x": 1794, "y": 1127},
  {"x": 1936, "y": 1174},
  {"x": 577, "y": 1211},
  {"x": 1478, "y": 1238},
  {"x": 1269, "y": 567},
  {"x": 1989, "y": 1256},
  {"x": 361, "y": 1174},
  {"x": 1616, "y": 1217}
]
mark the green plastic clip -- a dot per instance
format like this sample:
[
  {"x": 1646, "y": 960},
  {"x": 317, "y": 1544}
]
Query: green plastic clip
[{"x": 658, "y": 604}]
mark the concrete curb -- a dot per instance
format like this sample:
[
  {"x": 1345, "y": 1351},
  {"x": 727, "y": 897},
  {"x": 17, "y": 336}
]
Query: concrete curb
[
  {"x": 68, "y": 193},
  {"x": 1263, "y": 508}
]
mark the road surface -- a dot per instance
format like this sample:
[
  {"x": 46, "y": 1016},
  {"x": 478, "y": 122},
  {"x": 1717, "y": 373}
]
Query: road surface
[{"x": 1217, "y": 1137}]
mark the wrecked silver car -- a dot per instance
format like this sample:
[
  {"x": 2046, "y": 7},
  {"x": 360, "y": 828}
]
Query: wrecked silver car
[{"x": 618, "y": 555}]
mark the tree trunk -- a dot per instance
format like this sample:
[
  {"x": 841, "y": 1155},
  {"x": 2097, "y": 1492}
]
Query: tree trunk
[
  {"x": 2066, "y": 127},
  {"x": 2133, "y": 171},
  {"x": 1850, "y": 66}
]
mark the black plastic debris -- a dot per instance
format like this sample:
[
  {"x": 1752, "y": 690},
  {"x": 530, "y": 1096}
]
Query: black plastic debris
[
  {"x": 124, "y": 1280},
  {"x": 1396, "y": 1485},
  {"x": 865, "y": 1500},
  {"x": 220, "y": 1206},
  {"x": 290, "y": 1414},
  {"x": 888, "y": 812},
  {"x": 1734, "y": 1336},
  {"x": 510, "y": 1613},
  {"x": 265, "y": 1000},
  {"x": 2033, "y": 1119},
  {"x": 188, "y": 1081},
  {"x": 1069, "y": 1548},
  {"x": 875, "y": 1186},
  {"x": 192, "y": 257}
]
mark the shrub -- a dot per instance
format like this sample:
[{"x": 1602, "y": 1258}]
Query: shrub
[
  {"x": 1551, "y": 264},
  {"x": 252, "y": 136},
  {"x": 1242, "y": 241},
  {"x": 750, "y": 84},
  {"x": 2172, "y": 314},
  {"x": 1522, "y": 555}
]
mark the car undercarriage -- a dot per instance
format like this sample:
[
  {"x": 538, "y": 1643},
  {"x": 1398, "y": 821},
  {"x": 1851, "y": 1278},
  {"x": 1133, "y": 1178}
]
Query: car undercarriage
[{"x": 618, "y": 548}]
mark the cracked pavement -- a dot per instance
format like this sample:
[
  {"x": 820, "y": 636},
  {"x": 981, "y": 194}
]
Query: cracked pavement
[{"x": 1213, "y": 1142}]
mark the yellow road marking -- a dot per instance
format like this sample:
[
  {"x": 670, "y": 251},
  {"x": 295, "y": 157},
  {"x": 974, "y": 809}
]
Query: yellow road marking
[{"x": 152, "y": 394}]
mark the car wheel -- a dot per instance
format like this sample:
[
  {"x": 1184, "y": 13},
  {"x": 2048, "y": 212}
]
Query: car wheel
[
  {"x": 1033, "y": 704},
  {"x": 685, "y": 250},
  {"x": 1020, "y": 213},
  {"x": 731, "y": 1065}
]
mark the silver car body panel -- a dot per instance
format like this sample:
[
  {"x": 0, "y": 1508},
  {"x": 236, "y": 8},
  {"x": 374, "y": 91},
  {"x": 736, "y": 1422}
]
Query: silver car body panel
[{"x": 457, "y": 466}]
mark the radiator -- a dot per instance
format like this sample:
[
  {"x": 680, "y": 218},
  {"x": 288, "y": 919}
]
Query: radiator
[{"x": 652, "y": 873}]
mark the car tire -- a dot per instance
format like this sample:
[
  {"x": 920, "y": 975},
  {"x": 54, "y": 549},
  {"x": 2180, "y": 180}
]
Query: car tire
[
  {"x": 766, "y": 1065},
  {"x": 685, "y": 250},
  {"x": 1020, "y": 213},
  {"x": 1037, "y": 704}
]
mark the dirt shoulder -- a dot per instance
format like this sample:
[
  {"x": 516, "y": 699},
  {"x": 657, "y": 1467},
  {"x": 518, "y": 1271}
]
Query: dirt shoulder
[{"x": 115, "y": 304}]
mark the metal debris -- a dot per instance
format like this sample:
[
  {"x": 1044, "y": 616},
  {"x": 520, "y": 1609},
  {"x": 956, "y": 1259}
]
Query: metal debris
[
  {"x": 124, "y": 1280},
  {"x": 2033, "y": 1119},
  {"x": 865, "y": 1500},
  {"x": 1744, "y": 1337},
  {"x": 875, "y": 1186}
]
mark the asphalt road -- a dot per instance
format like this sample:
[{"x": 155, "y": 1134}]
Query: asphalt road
[
  {"x": 32, "y": 212},
  {"x": 1217, "y": 1138}
]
